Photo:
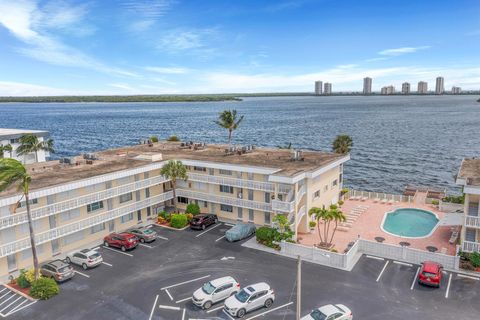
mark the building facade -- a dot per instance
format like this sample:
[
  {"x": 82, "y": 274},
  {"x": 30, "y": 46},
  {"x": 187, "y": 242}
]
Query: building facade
[
  {"x": 367, "y": 85},
  {"x": 12, "y": 136},
  {"x": 469, "y": 178},
  {"x": 318, "y": 87},
  {"x": 439, "y": 86},
  {"x": 422, "y": 87},
  {"x": 406, "y": 88},
  {"x": 327, "y": 88},
  {"x": 387, "y": 90},
  {"x": 456, "y": 90},
  {"x": 75, "y": 206}
]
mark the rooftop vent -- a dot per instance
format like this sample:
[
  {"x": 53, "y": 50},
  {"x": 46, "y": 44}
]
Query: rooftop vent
[
  {"x": 297, "y": 155},
  {"x": 151, "y": 157}
]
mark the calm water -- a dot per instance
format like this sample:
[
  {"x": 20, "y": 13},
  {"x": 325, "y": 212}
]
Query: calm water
[{"x": 397, "y": 140}]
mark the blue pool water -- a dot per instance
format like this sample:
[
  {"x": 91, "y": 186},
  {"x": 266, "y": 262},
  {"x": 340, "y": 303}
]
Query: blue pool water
[{"x": 409, "y": 222}]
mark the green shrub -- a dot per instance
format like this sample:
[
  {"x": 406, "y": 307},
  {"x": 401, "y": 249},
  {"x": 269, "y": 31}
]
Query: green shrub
[
  {"x": 343, "y": 191},
  {"x": 22, "y": 280},
  {"x": 154, "y": 138},
  {"x": 312, "y": 224},
  {"x": 475, "y": 259},
  {"x": 435, "y": 202},
  {"x": 173, "y": 138},
  {"x": 44, "y": 288},
  {"x": 164, "y": 214},
  {"x": 178, "y": 221},
  {"x": 30, "y": 275},
  {"x": 193, "y": 208},
  {"x": 455, "y": 199}
]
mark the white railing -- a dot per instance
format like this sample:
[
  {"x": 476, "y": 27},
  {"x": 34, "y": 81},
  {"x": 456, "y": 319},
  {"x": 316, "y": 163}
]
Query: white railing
[
  {"x": 285, "y": 188},
  {"x": 58, "y": 207},
  {"x": 469, "y": 246},
  {"x": 471, "y": 221},
  {"x": 249, "y": 204},
  {"x": 301, "y": 193},
  {"x": 378, "y": 196},
  {"x": 43, "y": 237},
  {"x": 283, "y": 206},
  {"x": 301, "y": 213},
  {"x": 239, "y": 183}
]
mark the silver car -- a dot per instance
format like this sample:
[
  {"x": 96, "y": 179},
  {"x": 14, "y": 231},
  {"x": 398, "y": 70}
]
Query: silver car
[
  {"x": 215, "y": 291},
  {"x": 58, "y": 270},
  {"x": 252, "y": 297},
  {"x": 85, "y": 258},
  {"x": 143, "y": 234}
]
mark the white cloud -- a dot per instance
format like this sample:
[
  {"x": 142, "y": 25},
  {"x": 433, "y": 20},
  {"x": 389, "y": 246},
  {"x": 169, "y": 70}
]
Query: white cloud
[
  {"x": 182, "y": 39},
  {"x": 146, "y": 12},
  {"x": 8, "y": 88},
  {"x": 122, "y": 86},
  {"x": 168, "y": 70},
  {"x": 401, "y": 51}
]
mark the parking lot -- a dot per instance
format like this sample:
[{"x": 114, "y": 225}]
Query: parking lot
[{"x": 157, "y": 280}]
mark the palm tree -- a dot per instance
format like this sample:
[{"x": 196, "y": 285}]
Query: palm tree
[
  {"x": 320, "y": 214},
  {"x": 29, "y": 143},
  {"x": 174, "y": 170},
  {"x": 337, "y": 216},
  {"x": 228, "y": 119},
  {"x": 342, "y": 144},
  {"x": 3, "y": 148},
  {"x": 13, "y": 172}
]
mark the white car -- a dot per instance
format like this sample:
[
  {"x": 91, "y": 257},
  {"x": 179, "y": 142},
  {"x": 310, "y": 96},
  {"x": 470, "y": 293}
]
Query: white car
[
  {"x": 85, "y": 258},
  {"x": 252, "y": 297},
  {"x": 330, "y": 312},
  {"x": 215, "y": 291}
]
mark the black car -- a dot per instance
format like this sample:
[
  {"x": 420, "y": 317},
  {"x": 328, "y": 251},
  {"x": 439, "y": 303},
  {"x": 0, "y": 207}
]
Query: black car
[{"x": 202, "y": 221}]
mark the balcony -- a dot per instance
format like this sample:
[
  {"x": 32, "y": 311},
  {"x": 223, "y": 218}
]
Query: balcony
[
  {"x": 283, "y": 206},
  {"x": 472, "y": 221},
  {"x": 301, "y": 193},
  {"x": 58, "y": 207},
  {"x": 65, "y": 230},
  {"x": 469, "y": 246},
  {"x": 239, "y": 183}
]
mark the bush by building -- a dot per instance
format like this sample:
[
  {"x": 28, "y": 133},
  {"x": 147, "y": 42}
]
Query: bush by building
[
  {"x": 192, "y": 208},
  {"x": 178, "y": 221},
  {"x": 44, "y": 288}
]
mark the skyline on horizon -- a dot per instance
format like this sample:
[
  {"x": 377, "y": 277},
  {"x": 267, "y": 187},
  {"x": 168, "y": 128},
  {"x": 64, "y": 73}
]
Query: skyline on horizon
[{"x": 62, "y": 47}]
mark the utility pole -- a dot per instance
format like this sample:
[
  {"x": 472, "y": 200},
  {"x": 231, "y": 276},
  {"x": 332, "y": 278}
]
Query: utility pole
[{"x": 299, "y": 286}]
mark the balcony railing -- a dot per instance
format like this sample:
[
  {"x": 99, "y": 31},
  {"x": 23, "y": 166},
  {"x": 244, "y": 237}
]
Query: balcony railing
[
  {"x": 239, "y": 183},
  {"x": 471, "y": 221},
  {"x": 58, "y": 207},
  {"x": 301, "y": 193},
  {"x": 283, "y": 206},
  {"x": 249, "y": 204},
  {"x": 65, "y": 230},
  {"x": 469, "y": 246}
]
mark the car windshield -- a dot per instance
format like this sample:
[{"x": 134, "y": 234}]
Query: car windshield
[
  {"x": 242, "y": 296},
  {"x": 63, "y": 269},
  {"x": 196, "y": 219},
  {"x": 94, "y": 256},
  {"x": 208, "y": 288},
  {"x": 147, "y": 231},
  {"x": 318, "y": 315}
]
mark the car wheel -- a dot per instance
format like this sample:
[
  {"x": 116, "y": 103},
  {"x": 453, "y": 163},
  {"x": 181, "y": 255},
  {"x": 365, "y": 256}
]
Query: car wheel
[
  {"x": 207, "y": 305},
  {"x": 268, "y": 303},
  {"x": 241, "y": 313},
  {"x": 84, "y": 266},
  {"x": 142, "y": 240},
  {"x": 203, "y": 227},
  {"x": 105, "y": 243},
  {"x": 68, "y": 260},
  {"x": 123, "y": 248}
]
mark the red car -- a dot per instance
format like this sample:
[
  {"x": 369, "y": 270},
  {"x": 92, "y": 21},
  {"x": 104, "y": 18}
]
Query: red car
[
  {"x": 124, "y": 241},
  {"x": 430, "y": 274}
]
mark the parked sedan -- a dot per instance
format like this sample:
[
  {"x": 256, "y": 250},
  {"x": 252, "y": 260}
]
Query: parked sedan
[
  {"x": 240, "y": 231},
  {"x": 124, "y": 241},
  {"x": 85, "y": 258},
  {"x": 215, "y": 291},
  {"x": 430, "y": 274},
  {"x": 202, "y": 221},
  {"x": 330, "y": 312},
  {"x": 252, "y": 297},
  {"x": 58, "y": 270},
  {"x": 144, "y": 234}
]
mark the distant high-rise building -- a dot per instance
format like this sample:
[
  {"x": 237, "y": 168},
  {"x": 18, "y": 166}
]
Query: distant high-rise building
[
  {"x": 456, "y": 90},
  {"x": 387, "y": 90},
  {"x": 422, "y": 87},
  {"x": 439, "y": 87},
  {"x": 406, "y": 88},
  {"x": 367, "y": 85},
  {"x": 318, "y": 87},
  {"x": 327, "y": 88}
]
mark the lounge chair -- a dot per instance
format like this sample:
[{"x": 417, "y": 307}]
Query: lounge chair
[
  {"x": 364, "y": 198},
  {"x": 384, "y": 201},
  {"x": 376, "y": 200}
]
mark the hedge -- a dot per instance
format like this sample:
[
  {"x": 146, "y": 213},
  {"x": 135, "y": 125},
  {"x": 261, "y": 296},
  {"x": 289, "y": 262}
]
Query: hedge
[
  {"x": 44, "y": 288},
  {"x": 193, "y": 208},
  {"x": 178, "y": 221},
  {"x": 22, "y": 280}
]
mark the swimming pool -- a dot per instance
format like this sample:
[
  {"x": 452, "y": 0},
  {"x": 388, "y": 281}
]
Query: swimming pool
[{"x": 410, "y": 222}]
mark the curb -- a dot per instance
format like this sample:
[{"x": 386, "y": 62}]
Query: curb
[{"x": 170, "y": 228}]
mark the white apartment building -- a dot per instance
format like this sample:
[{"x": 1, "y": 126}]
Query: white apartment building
[
  {"x": 318, "y": 88},
  {"x": 439, "y": 86},
  {"x": 387, "y": 90},
  {"x": 406, "y": 88},
  {"x": 12, "y": 137},
  {"x": 456, "y": 90},
  {"x": 422, "y": 87},
  {"x": 327, "y": 89},
  {"x": 367, "y": 85}
]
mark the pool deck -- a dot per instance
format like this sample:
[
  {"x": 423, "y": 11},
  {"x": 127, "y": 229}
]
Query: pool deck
[{"x": 368, "y": 226}]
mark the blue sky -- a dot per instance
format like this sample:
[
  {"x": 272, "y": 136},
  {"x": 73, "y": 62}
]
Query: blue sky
[{"x": 175, "y": 46}]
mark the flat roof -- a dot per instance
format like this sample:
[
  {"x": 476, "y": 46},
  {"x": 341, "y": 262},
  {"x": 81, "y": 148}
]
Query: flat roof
[
  {"x": 470, "y": 171},
  {"x": 51, "y": 173},
  {"x": 11, "y": 133}
]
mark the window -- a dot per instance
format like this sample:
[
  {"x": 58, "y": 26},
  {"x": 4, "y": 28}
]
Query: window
[
  {"x": 250, "y": 215},
  {"x": 340, "y": 178},
  {"x": 203, "y": 169},
  {"x": 127, "y": 217},
  {"x": 325, "y": 188},
  {"x": 226, "y": 189},
  {"x": 225, "y": 172},
  {"x": 226, "y": 208},
  {"x": 267, "y": 197},
  {"x": 149, "y": 212},
  {"x": 267, "y": 217},
  {"x": 125, "y": 197},
  {"x": 334, "y": 183},
  {"x": 94, "y": 206},
  {"x": 240, "y": 213},
  {"x": 97, "y": 228},
  {"x": 147, "y": 193},
  {"x": 316, "y": 194},
  {"x": 24, "y": 203},
  {"x": 182, "y": 200},
  {"x": 250, "y": 194}
]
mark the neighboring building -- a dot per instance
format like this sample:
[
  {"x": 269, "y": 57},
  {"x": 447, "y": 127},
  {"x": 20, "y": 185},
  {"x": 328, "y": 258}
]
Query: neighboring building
[
  {"x": 387, "y": 90},
  {"x": 422, "y": 87},
  {"x": 469, "y": 178},
  {"x": 439, "y": 86},
  {"x": 318, "y": 87},
  {"x": 406, "y": 88},
  {"x": 327, "y": 89},
  {"x": 75, "y": 206},
  {"x": 12, "y": 137},
  {"x": 367, "y": 85},
  {"x": 456, "y": 90}
]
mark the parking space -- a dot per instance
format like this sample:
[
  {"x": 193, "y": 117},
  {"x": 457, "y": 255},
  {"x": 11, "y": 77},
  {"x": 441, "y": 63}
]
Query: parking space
[{"x": 12, "y": 302}]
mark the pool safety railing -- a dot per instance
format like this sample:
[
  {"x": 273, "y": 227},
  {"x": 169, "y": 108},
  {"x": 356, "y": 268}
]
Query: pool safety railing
[{"x": 380, "y": 196}]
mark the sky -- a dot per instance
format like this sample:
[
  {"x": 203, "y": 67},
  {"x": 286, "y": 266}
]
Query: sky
[{"x": 60, "y": 47}]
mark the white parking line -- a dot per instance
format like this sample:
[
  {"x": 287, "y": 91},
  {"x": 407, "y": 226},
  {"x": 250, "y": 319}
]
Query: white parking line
[
  {"x": 415, "y": 278},
  {"x": 214, "y": 309},
  {"x": 16, "y": 307},
  {"x": 183, "y": 313},
  {"x": 220, "y": 238},
  {"x": 127, "y": 254},
  {"x": 20, "y": 297},
  {"x": 198, "y": 235},
  {"x": 448, "y": 286},
  {"x": 96, "y": 248},
  {"x": 82, "y": 274},
  {"x": 403, "y": 263},
  {"x": 384, "y": 267},
  {"x": 182, "y": 300},
  {"x": 373, "y": 257},
  {"x": 163, "y": 238},
  {"x": 146, "y": 246},
  {"x": 229, "y": 316},
  {"x": 169, "y": 307},
  {"x": 467, "y": 277},
  {"x": 169, "y": 295},
  {"x": 185, "y": 282},
  {"x": 153, "y": 308},
  {"x": 264, "y": 313},
  {"x": 25, "y": 306},
  {"x": 3, "y": 290},
  {"x": 107, "y": 264},
  {"x": 8, "y": 299}
]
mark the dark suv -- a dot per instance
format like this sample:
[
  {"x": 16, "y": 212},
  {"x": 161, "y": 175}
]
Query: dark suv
[
  {"x": 202, "y": 221},
  {"x": 124, "y": 241},
  {"x": 58, "y": 270}
]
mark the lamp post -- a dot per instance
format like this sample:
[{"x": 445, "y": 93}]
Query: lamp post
[{"x": 299, "y": 287}]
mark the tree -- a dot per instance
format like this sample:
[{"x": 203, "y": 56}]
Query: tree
[
  {"x": 29, "y": 143},
  {"x": 337, "y": 216},
  {"x": 342, "y": 144},
  {"x": 3, "y": 148},
  {"x": 228, "y": 119},
  {"x": 282, "y": 221},
  {"x": 319, "y": 214},
  {"x": 327, "y": 216},
  {"x": 13, "y": 172},
  {"x": 174, "y": 170},
  {"x": 286, "y": 146}
]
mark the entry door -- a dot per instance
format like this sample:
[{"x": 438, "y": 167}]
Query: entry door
[
  {"x": 139, "y": 215},
  {"x": 12, "y": 262}
]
